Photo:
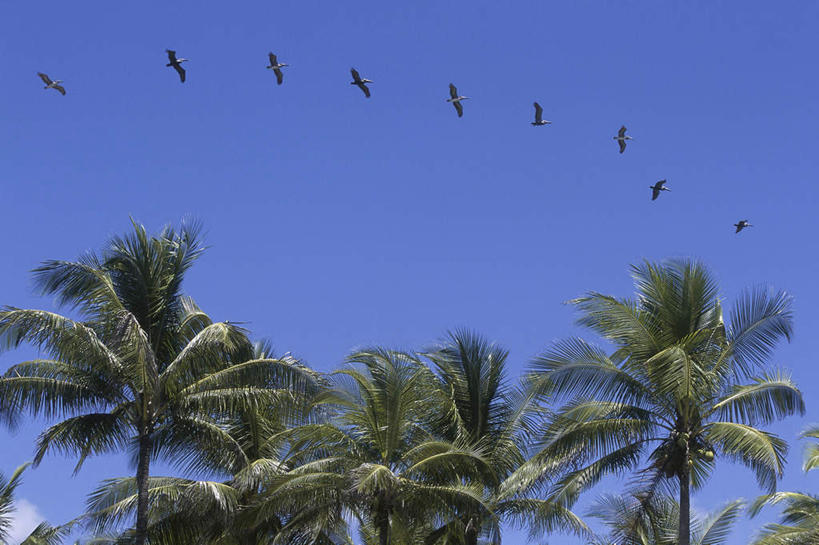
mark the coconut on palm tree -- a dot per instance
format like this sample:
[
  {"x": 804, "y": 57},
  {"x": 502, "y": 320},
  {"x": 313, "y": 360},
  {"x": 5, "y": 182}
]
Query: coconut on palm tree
[
  {"x": 681, "y": 390},
  {"x": 142, "y": 369}
]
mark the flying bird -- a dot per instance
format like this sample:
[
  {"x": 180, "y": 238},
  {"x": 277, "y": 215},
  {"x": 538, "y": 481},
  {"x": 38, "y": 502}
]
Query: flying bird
[
  {"x": 52, "y": 84},
  {"x": 176, "y": 63},
  {"x": 621, "y": 138},
  {"x": 539, "y": 116},
  {"x": 360, "y": 82},
  {"x": 657, "y": 188},
  {"x": 456, "y": 99},
  {"x": 276, "y": 66},
  {"x": 742, "y": 225}
]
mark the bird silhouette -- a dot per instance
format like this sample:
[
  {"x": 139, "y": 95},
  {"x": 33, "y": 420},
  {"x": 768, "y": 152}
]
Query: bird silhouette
[
  {"x": 621, "y": 138},
  {"x": 539, "y": 116},
  {"x": 742, "y": 225},
  {"x": 52, "y": 84},
  {"x": 456, "y": 99},
  {"x": 176, "y": 64},
  {"x": 360, "y": 82},
  {"x": 276, "y": 66},
  {"x": 657, "y": 188}
]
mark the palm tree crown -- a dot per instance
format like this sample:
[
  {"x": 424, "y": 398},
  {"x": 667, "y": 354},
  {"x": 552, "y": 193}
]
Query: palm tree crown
[
  {"x": 680, "y": 387},
  {"x": 376, "y": 459},
  {"x": 481, "y": 409},
  {"x": 145, "y": 370}
]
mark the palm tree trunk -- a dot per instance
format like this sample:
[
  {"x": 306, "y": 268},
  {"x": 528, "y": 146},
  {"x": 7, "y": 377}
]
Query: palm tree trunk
[
  {"x": 471, "y": 532},
  {"x": 685, "y": 505},
  {"x": 143, "y": 472},
  {"x": 382, "y": 524}
]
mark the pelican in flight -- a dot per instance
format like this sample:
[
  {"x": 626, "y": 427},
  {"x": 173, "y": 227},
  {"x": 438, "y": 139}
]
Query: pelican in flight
[
  {"x": 52, "y": 84},
  {"x": 742, "y": 225},
  {"x": 456, "y": 99},
  {"x": 276, "y": 66},
  {"x": 539, "y": 116},
  {"x": 176, "y": 63},
  {"x": 361, "y": 82},
  {"x": 657, "y": 188},
  {"x": 621, "y": 138}
]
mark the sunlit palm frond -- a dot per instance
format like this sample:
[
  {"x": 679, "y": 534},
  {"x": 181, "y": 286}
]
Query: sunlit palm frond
[
  {"x": 575, "y": 368},
  {"x": 714, "y": 530},
  {"x": 760, "y": 318},
  {"x": 762, "y": 452},
  {"x": 765, "y": 400},
  {"x": 812, "y": 450}
]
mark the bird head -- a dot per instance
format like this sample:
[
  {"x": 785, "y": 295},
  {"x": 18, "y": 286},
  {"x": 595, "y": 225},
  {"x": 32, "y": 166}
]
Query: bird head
[{"x": 182, "y": 60}]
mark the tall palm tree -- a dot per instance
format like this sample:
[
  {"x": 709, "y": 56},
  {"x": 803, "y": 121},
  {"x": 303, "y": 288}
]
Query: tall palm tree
[
  {"x": 800, "y": 520},
  {"x": 641, "y": 520},
  {"x": 376, "y": 459},
  {"x": 43, "y": 533},
  {"x": 680, "y": 387},
  {"x": 480, "y": 408},
  {"x": 143, "y": 369}
]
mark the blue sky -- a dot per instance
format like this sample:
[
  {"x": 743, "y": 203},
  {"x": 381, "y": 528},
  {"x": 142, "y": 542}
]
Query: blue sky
[{"x": 336, "y": 221}]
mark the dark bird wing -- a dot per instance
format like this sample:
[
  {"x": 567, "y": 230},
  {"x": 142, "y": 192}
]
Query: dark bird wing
[
  {"x": 459, "y": 108},
  {"x": 655, "y": 192},
  {"x": 171, "y": 55},
  {"x": 180, "y": 71},
  {"x": 364, "y": 88},
  {"x": 356, "y": 77},
  {"x": 538, "y": 113},
  {"x": 622, "y": 145},
  {"x": 453, "y": 91},
  {"x": 60, "y": 89},
  {"x": 660, "y": 184},
  {"x": 279, "y": 75},
  {"x": 622, "y": 132},
  {"x": 273, "y": 61},
  {"x": 739, "y": 227},
  {"x": 45, "y": 78}
]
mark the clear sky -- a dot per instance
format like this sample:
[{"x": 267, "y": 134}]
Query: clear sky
[{"x": 336, "y": 221}]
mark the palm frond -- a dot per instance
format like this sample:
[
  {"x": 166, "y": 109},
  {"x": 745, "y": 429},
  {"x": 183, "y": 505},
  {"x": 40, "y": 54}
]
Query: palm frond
[
  {"x": 760, "y": 318},
  {"x": 762, "y": 452},
  {"x": 767, "y": 399}
]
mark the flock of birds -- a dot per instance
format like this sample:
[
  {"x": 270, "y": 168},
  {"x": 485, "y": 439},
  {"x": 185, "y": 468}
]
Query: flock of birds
[{"x": 454, "y": 98}]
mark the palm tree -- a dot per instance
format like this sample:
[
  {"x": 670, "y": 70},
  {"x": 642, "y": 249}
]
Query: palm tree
[
  {"x": 481, "y": 409},
  {"x": 43, "y": 533},
  {"x": 800, "y": 520},
  {"x": 654, "y": 520},
  {"x": 145, "y": 370},
  {"x": 376, "y": 459},
  {"x": 681, "y": 386},
  {"x": 184, "y": 511}
]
